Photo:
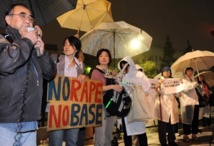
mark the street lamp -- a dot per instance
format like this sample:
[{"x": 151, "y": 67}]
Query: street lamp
[{"x": 135, "y": 43}]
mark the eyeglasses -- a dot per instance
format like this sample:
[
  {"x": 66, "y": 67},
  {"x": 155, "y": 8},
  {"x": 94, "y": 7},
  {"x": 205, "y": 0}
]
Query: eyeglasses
[{"x": 24, "y": 16}]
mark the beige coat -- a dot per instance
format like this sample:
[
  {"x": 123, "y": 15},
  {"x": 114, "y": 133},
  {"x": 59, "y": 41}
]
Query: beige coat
[{"x": 166, "y": 108}]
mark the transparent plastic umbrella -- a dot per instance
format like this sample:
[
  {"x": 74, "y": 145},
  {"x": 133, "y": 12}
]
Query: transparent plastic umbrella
[{"x": 121, "y": 38}]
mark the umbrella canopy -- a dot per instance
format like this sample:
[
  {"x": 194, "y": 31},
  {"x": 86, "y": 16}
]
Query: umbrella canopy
[
  {"x": 87, "y": 15},
  {"x": 43, "y": 10},
  {"x": 208, "y": 77},
  {"x": 198, "y": 60},
  {"x": 121, "y": 38}
]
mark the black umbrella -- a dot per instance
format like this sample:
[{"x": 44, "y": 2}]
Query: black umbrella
[{"x": 43, "y": 10}]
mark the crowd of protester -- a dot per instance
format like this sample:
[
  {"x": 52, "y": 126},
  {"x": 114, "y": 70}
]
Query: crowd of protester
[{"x": 21, "y": 101}]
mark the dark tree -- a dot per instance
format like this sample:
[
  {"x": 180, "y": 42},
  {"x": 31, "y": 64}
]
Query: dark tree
[
  {"x": 168, "y": 53},
  {"x": 188, "y": 48},
  {"x": 149, "y": 68}
]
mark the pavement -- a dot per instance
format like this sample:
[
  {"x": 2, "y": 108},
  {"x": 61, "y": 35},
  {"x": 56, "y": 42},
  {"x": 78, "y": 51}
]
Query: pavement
[{"x": 205, "y": 137}]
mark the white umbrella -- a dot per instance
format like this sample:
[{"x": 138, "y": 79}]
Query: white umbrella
[
  {"x": 208, "y": 77},
  {"x": 117, "y": 37},
  {"x": 198, "y": 60}
]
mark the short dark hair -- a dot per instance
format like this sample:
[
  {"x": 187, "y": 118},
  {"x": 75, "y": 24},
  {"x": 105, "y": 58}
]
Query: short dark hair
[
  {"x": 188, "y": 68},
  {"x": 74, "y": 41},
  {"x": 100, "y": 52},
  {"x": 8, "y": 11},
  {"x": 14, "y": 5}
]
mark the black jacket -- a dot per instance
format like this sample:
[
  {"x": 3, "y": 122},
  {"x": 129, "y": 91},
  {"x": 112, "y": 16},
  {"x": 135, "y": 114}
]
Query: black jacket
[{"x": 13, "y": 68}]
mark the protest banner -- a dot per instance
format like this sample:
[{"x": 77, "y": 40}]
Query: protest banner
[
  {"x": 152, "y": 96},
  {"x": 74, "y": 104},
  {"x": 172, "y": 85},
  {"x": 153, "y": 83}
]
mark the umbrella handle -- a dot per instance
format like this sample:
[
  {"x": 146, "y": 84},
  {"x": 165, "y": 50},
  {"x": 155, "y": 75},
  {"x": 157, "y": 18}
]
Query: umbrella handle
[
  {"x": 77, "y": 34},
  {"x": 196, "y": 65}
]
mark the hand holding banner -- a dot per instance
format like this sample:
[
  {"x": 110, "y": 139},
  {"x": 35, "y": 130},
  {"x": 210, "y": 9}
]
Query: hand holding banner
[{"x": 172, "y": 85}]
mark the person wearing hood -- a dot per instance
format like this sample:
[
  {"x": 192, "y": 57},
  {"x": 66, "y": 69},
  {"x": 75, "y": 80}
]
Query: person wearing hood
[
  {"x": 139, "y": 68},
  {"x": 189, "y": 106},
  {"x": 133, "y": 77},
  {"x": 167, "y": 111},
  {"x": 103, "y": 134},
  {"x": 134, "y": 137}
]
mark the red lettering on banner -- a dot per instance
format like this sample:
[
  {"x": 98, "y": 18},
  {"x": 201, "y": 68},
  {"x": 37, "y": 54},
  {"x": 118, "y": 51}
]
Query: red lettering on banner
[
  {"x": 92, "y": 89},
  {"x": 75, "y": 86},
  {"x": 53, "y": 117},
  {"x": 98, "y": 93},
  {"x": 84, "y": 92},
  {"x": 65, "y": 116},
  {"x": 78, "y": 104}
]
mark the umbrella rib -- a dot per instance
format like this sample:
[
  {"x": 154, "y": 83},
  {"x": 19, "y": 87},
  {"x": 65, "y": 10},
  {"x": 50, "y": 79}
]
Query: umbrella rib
[
  {"x": 38, "y": 8},
  {"x": 83, "y": 7},
  {"x": 204, "y": 62},
  {"x": 81, "y": 17},
  {"x": 88, "y": 15},
  {"x": 106, "y": 30},
  {"x": 115, "y": 34},
  {"x": 111, "y": 30},
  {"x": 92, "y": 8},
  {"x": 120, "y": 37}
]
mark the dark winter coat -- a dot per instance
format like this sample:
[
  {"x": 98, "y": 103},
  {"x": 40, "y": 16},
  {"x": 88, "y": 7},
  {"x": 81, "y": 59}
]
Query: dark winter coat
[{"x": 14, "y": 59}]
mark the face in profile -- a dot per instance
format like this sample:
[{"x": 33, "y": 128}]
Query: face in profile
[{"x": 68, "y": 48}]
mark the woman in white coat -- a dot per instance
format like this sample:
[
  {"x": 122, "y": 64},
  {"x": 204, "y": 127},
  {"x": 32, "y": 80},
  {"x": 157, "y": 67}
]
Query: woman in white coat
[
  {"x": 133, "y": 77},
  {"x": 167, "y": 111},
  {"x": 189, "y": 106}
]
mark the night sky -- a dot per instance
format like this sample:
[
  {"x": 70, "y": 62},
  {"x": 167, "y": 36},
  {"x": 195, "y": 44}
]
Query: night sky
[{"x": 182, "y": 20}]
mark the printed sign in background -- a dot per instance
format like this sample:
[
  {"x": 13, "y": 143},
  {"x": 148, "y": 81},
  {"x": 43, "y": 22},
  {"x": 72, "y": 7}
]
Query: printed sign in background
[
  {"x": 173, "y": 85},
  {"x": 153, "y": 83},
  {"x": 74, "y": 104}
]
